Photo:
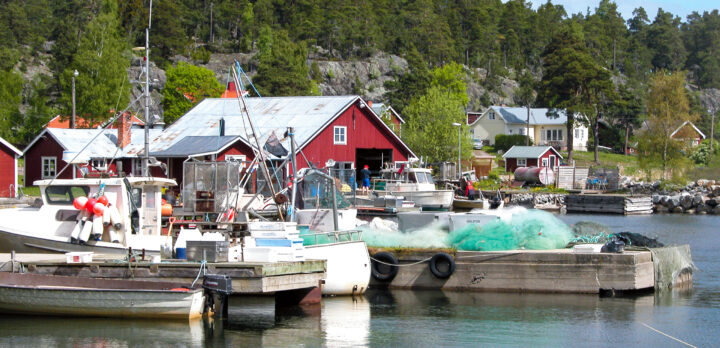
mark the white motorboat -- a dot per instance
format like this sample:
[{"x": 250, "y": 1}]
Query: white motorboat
[
  {"x": 131, "y": 221},
  {"x": 348, "y": 260},
  {"x": 414, "y": 184},
  {"x": 77, "y": 296}
]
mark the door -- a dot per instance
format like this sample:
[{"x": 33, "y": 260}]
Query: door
[{"x": 552, "y": 162}]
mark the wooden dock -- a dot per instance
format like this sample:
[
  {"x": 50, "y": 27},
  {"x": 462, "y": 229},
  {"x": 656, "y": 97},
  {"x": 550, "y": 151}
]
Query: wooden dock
[
  {"x": 544, "y": 271},
  {"x": 247, "y": 278},
  {"x": 608, "y": 204}
]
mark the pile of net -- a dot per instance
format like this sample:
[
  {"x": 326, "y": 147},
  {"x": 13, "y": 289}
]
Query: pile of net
[
  {"x": 385, "y": 234},
  {"x": 515, "y": 229},
  {"x": 591, "y": 232}
]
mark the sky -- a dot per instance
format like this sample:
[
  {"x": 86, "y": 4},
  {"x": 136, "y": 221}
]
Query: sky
[{"x": 677, "y": 7}]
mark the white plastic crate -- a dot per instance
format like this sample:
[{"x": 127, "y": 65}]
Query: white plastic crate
[
  {"x": 259, "y": 254},
  {"x": 79, "y": 257}
]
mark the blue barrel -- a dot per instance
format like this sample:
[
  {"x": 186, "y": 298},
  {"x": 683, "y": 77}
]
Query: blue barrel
[{"x": 180, "y": 254}]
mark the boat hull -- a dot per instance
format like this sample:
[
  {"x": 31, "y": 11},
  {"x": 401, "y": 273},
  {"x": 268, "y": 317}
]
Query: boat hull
[
  {"x": 348, "y": 266},
  {"x": 321, "y": 220},
  {"x": 467, "y": 204},
  {"x": 49, "y": 298},
  {"x": 29, "y": 244},
  {"x": 436, "y": 199}
]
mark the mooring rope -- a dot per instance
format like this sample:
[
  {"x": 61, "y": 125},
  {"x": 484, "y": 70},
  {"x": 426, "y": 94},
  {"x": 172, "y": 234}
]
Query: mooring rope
[
  {"x": 202, "y": 270},
  {"x": 399, "y": 265},
  {"x": 666, "y": 335}
]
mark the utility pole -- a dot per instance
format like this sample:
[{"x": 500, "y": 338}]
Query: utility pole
[
  {"x": 72, "y": 119},
  {"x": 527, "y": 126},
  {"x": 212, "y": 37},
  {"x": 712, "y": 129}
]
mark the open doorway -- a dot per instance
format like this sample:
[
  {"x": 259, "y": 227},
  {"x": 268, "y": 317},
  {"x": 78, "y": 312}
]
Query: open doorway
[{"x": 373, "y": 158}]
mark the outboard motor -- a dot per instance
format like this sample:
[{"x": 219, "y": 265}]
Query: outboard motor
[{"x": 218, "y": 288}]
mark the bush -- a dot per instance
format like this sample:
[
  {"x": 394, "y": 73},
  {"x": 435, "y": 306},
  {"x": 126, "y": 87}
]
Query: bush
[{"x": 505, "y": 142}]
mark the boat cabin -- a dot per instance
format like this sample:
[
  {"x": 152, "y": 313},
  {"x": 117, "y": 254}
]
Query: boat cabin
[
  {"x": 403, "y": 177},
  {"x": 137, "y": 201}
]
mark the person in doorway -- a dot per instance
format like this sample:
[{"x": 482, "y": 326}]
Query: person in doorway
[{"x": 365, "y": 176}]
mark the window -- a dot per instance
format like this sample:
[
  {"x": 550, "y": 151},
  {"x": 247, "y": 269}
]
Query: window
[
  {"x": 137, "y": 166},
  {"x": 577, "y": 133},
  {"x": 340, "y": 135},
  {"x": 49, "y": 167},
  {"x": 64, "y": 194},
  {"x": 237, "y": 158},
  {"x": 98, "y": 164},
  {"x": 521, "y": 162},
  {"x": 559, "y": 134},
  {"x": 542, "y": 136},
  {"x": 549, "y": 135},
  {"x": 511, "y": 131},
  {"x": 544, "y": 162},
  {"x": 522, "y": 131},
  {"x": 491, "y": 115}
]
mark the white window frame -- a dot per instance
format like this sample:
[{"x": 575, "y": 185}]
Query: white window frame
[
  {"x": 577, "y": 133},
  {"x": 340, "y": 135},
  {"x": 522, "y": 162},
  {"x": 545, "y": 162},
  {"x": 553, "y": 161},
  {"x": 98, "y": 164},
  {"x": 548, "y": 135},
  {"x": 560, "y": 135},
  {"x": 491, "y": 115},
  {"x": 52, "y": 159}
]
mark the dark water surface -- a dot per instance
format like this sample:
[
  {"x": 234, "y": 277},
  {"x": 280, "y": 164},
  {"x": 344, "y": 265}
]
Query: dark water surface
[{"x": 437, "y": 318}]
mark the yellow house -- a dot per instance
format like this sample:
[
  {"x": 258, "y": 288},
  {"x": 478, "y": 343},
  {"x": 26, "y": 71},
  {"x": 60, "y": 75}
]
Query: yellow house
[{"x": 545, "y": 127}]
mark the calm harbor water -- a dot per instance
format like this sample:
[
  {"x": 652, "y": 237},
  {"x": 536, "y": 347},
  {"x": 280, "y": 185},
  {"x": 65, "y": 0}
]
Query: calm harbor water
[{"x": 436, "y": 318}]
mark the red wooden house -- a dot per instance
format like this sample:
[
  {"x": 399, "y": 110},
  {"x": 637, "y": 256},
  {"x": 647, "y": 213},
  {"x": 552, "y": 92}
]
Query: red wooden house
[
  {"x": 531, "y": 156},
  {"x": 8, "y": 168},
  {"x": 342, "y": 128}
]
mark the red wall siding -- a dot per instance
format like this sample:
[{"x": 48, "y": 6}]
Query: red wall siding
[
  {"x": 238, "y": 148},
  {"x": 364, "y": 131},
  {"x": 45, "y": 146},
  {"x": 547, "y": 154},
  {"x": 7, "y": 172}
]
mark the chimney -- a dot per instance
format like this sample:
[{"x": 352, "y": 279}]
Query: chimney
[{"x": 124, "y": 126}]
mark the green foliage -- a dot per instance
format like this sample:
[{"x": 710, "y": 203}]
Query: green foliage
[
  {"x": 102, "y": 59},
  {"x": 505, "y": 142},
  {"x": 201, "y": 55},
  {"x": 186, "y": 86},
  {"x": 451, "y": 77},
  {"x": 430, "y": 133},
  {"x": 10, "y": 99},
  {"x": 701, "y": 154},
  {"x": 282, "y": 70},
  {"x": 667, "y": 107}
]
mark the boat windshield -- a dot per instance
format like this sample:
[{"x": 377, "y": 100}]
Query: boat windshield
[{"x": 64, "y": 194}]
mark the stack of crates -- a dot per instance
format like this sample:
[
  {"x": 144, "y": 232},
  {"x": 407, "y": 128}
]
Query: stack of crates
[{"x": 272, "y": 241}]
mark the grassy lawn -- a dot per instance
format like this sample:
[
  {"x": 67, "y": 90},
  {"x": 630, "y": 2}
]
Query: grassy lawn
[
  {"x": 628, "y": 164},
  {"x": 30, "y": 190}
]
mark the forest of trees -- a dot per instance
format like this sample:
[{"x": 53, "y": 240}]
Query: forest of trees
[{"x": 508, "y": 39}]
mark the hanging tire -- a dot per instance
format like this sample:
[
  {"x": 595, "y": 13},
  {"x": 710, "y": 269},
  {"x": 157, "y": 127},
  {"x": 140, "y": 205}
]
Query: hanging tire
[
  {"x": 442, "y": 265},
  {"x": 381, "y": 270}
]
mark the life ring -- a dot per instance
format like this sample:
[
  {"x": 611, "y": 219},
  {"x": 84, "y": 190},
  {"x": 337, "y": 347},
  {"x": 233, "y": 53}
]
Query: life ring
[
  {"x": 442, "y": 265},
  {"x": 380, "y": 270}
]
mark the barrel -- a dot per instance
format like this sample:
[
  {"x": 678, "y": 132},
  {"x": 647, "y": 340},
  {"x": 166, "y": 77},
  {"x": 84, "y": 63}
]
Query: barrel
[{"x": 535, "y": 175}]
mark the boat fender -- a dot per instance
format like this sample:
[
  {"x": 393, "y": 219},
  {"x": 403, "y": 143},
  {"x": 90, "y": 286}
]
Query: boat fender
[
  {"x": 442, "y": 265},
  {"x": 114, "y": 236},
  {"x": 106, "y": 218},
  {"x": 98, "y": 228},
  {"x": 115, "y": 217},
  {"x": 86, "y": 230},
  {"x": 380, "y": 268}
]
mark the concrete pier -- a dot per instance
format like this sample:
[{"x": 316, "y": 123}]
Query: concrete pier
[
  {"x": 247, "y": 278},
  {"x": 553, "y": 271}
]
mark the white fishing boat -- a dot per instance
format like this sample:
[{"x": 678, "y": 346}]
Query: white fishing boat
[
  {"x": 131, "y": 218},
  {"x": 320, "y": 201},
  {"x": 414, "y": 184},
  {"x": 77, "y": 296}
]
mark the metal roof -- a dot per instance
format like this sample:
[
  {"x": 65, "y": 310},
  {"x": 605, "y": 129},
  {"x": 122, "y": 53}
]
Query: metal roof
[
  {"x": 538, "y": 116},
  {"x": 104, "y": 146},
  {"x": 528, "y": 151},
  {"x": 380, "y": 108},
  {"x": 308, "y": 115},
  {"x": 196, "y": 145}
]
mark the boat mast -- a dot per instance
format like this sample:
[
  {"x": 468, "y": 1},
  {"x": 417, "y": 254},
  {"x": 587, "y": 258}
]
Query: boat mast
[{"x": 148, "y": 119}]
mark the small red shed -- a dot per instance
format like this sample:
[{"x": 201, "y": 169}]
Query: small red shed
[
  {"x": 531, "y": 156},
  {"x": 8, "y": 169}
]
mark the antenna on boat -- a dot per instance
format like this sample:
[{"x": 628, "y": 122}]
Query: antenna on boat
[{"x": 148, "y": 119}]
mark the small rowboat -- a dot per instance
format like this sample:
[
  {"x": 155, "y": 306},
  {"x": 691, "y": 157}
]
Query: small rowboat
[{"x": 91, "y": 297}]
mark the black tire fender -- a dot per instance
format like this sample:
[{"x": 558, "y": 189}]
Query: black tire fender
[
  {"x": 380, "y": 270},
  {"x": 442, "y": 265}
]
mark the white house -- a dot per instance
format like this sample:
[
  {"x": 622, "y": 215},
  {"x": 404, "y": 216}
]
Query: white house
[{"x": 546, "y": 127}]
